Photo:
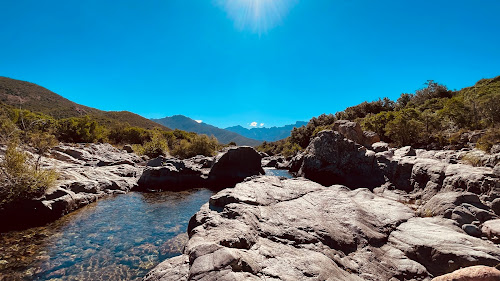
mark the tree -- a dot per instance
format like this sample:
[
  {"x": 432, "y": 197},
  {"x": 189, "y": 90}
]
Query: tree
[{"x": 405, "y": 128}]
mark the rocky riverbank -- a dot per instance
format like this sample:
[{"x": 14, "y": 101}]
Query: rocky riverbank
[
  {"x": 86, "y": 173},
  {"x": 89, "y": 172},
  {"x": 357, "y": 213}
]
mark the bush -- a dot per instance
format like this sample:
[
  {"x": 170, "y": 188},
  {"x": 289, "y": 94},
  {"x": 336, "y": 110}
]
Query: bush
[
  {"x": 21, "y": 179},
  {"x": 198, "y": 145},
  {"x": 489, "y": 139},
  {"x": 155, "y": 147},
  {"x": 81, "y": 129}
]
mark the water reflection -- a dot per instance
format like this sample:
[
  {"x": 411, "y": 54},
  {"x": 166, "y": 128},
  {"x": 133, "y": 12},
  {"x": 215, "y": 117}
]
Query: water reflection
[{"x": 119, "y": 238}]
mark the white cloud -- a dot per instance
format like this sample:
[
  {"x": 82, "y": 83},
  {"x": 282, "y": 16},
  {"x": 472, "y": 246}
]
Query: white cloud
[
  {"x": 262, "y": 124},
  {"x": 253, "y": 124},
  {"x": 198, "y": 121}
]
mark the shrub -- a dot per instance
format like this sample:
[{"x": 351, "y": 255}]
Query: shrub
[
  {"x": 489, "y": 139},
  {"x": 155, "y": 147},
  {"x": 21, "y": 179},
  {"x": 472, "y": 160}
]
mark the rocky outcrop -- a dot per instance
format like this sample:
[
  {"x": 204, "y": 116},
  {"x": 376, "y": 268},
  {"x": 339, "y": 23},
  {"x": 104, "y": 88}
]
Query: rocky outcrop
[
  {"x": 86, "y": 173},
  {"x": 332, "y": 159},
  {"x": 268, "y": 228},
  {"x": 225, "y": 170},
  {"x": 352, "y": 131},
  {"x": 233, "y": 165},
  {"x": 164, "y": 173}
]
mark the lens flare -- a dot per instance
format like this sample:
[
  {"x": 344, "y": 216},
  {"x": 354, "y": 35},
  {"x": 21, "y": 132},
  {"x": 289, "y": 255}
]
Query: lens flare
[{"x": 258, "y": 16}]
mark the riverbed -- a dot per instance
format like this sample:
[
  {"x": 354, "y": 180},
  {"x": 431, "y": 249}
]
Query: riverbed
[{"x": 120, "y": 237}]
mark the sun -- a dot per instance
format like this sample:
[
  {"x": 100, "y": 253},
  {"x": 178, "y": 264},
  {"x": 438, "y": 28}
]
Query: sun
[{"x": 257, "y": 16}]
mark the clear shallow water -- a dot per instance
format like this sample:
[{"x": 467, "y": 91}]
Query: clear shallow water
[
  {"x": 117, "y": 238},
  {"x": 278, "y": 173}
]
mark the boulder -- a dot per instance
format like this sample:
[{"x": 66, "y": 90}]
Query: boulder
[
  {"x": 173, "y": 174},
  {"x": 352, "y": 131},
  {"x": 128, "y": 148},
  {"x": 405, "y": 151},
  {"x": 380, "y": 146},
  {"x": 472, "y": 230},
  {"x": 441, "y": 246},
  {"x": 472, "y": 273},
  {"x": 495, "y": 206},
  {"x": 234, "y": 165},
  {"x": 268, "y": 228},
  {"x": 332, "y": 159},
  {"x": 492, "y": 230}
]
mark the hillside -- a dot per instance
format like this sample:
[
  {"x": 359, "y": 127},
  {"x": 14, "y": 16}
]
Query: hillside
[
  {"x": 187, "y": 124},
  {"x": 267, "y": 134},
  {"x": 433, "y": 117},
  {"x": 26, "y": 95}
]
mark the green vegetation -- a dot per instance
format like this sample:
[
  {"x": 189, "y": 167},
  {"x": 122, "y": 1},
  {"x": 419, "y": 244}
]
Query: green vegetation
[{"x": 433, "y": 115}]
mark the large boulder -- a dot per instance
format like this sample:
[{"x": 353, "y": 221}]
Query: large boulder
[
  {"x": 352, "y": 131},
  {"x": 332, "y": 159},
  {"x": 172, "y": 175},
  {"x": 234, "y": 165},
  {"x": 268, "y": 228}
]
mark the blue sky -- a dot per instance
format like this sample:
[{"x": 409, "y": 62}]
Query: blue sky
[{"x": 230, "y": 62}]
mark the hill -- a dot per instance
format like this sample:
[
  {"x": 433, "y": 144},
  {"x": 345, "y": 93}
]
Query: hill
[
  {"x": 433, "y": 117},
  {"x": 182, "y": 122},
  {"x": 267, "y": 134},
  {"x": 30, "y": 96}
]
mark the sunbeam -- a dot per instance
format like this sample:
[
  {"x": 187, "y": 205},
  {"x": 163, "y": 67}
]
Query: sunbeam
[{"x": 258, "y": 16}]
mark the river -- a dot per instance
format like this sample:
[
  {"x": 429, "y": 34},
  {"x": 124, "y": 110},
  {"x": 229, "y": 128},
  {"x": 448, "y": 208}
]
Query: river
[{"x": 120, "y": 237}]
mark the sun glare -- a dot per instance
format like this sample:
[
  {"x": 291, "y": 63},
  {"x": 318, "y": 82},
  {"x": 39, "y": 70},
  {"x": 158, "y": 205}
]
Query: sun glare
[{"x": 258, "y": 16}]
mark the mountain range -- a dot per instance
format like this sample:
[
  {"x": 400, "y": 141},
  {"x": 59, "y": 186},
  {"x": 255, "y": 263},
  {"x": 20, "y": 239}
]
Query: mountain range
[
  {"x": 182, "y": 122},
  {"x": 266, "y": 134}
]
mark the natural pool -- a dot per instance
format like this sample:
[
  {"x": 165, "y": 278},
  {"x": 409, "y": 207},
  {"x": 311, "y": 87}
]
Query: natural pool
[{"x": 117, "y": 238}]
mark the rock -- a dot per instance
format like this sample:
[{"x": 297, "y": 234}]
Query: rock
[
  {"x": 128, "y": 148},
  {"x": 492, "y": 230},
  {"x": 158, "y": 161},
  {"x": 370, "y": 138},
  {"x": 173, "y": 175},
  {"x": 274, "y": 161},
  {"x": 495, "y": 206},
  {"x": 441, "y": 246},
  {"x": 472, "y": 273},
  {"x": 234, "y": 165},
  {"x": 444, "y": 203},
  {"x": 332, "y": 159},
  {"x": 472, "y": 230},
  {"x": 268, "y": 228},
  {"x": 352, "y": 131},
  {"x": 380, "y": 146},
  {"x": 174, "y": 269},
  {"x": 405, "y": 151},
  {"x": 495, "y": 149}
]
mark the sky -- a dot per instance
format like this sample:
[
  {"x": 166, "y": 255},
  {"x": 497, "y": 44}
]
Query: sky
[{"x": 246, "y": 62}]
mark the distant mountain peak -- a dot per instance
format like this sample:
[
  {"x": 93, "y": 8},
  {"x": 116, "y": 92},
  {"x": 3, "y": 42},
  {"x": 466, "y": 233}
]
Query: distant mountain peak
[
  {"x": 185, "y": 123},
  {"x": 266, "y": 134}
]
